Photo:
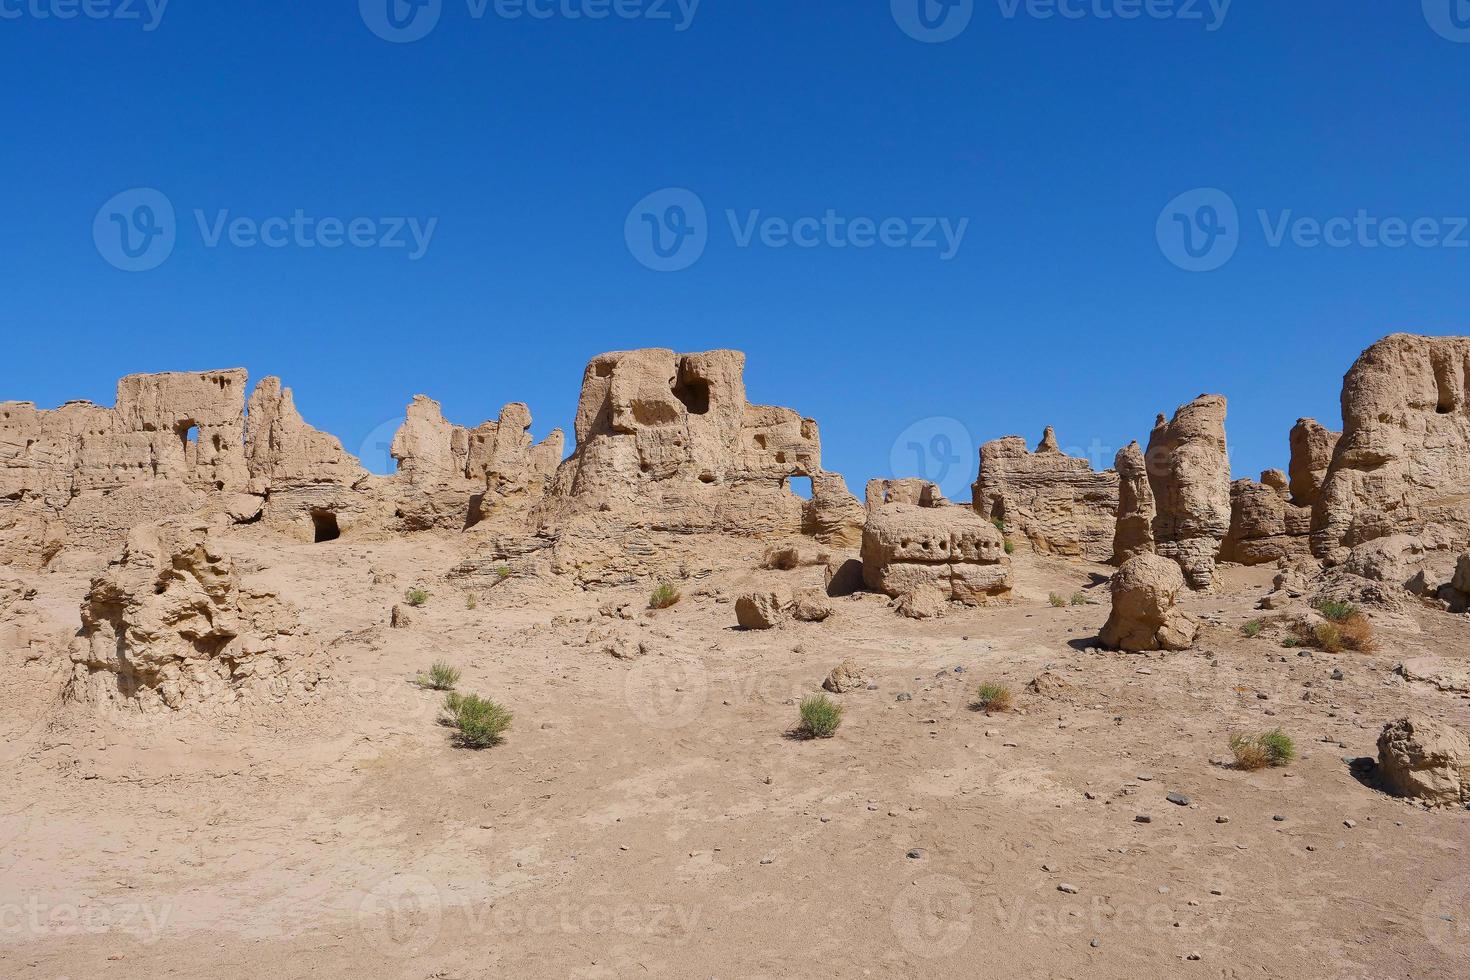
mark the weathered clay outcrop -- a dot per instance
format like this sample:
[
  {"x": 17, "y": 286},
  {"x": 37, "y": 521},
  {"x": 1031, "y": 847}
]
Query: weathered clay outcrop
[
  {"x": 951, "y": 550},
  {"x": 1133, "y": 533},
  {"x": 307, "y": 481},
  {"x": 1189, "y": 471},
  {"x": 1425, "y": 760},
  {"x": 451, "y": 477},
  {"x": 1055, "y": 502},
  {"x": 170, "y": 626},
  {"x": 667, "y": 445},
  {"x": 82, "y": 475},
  {"x": 1265, "y": 526},
  {"x": 1144, "y": 616},
  {"x": 834, "y": 516},
  {"x": 1402, "y": 465},
  {"x": 1312, "y": 446}
]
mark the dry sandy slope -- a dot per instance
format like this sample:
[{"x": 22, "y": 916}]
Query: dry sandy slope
[{"x": 651, "y": 818}]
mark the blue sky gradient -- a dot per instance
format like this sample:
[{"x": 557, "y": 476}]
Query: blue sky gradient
[{"x": 527, "y": 141}]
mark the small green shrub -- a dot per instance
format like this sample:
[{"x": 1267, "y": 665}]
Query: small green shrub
[
  {"x": 1273, "y": 748},
  {"x": 470, "y": 602},
  {"x": 1056, "y": 601},
  {"x": 1252, "y": 629},
  {"x": 992, "y": 698},
  {"x": 820, "y": 716},
  {"x": 1078, "y": 599},
  {"x": 1336, "y": 612},
  {"x": 1000, "y": 524},
  {"x": 416, "y": 597},
  {"x": 664, "y": 596},
  {"x": 441, "y": 677},
  {"x": 478, "y": 723},
  {"x": 503, "y": 573},
  {"x": 1010, "y": 547}
]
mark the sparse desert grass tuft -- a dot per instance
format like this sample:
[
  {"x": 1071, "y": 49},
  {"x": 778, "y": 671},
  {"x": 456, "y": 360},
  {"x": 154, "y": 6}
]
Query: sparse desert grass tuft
[
  {"x": 416, "y": 597},
  {"x": 1353, "y": 632},
  {"x": 1000, "y": 525},
  {"x": 1078, "y": 599},
  {"x": 441, "y": 677},
  {"x": 1334, "y": 611},
  {"x": 470, "y": 602},
  {"x": 503, "y": 573},
  {"x": 992, "y": 698},
  {"x": 820, "y": 716},
  {"x": 664, "y": 596},
  {"x": 1010, "y": 547},
  {"x": 1273, "y": 748},
  {"x": 478, "y": 723},
  {"x": 1056, "y": 601},
  {"x": 1252, "y": 629}
]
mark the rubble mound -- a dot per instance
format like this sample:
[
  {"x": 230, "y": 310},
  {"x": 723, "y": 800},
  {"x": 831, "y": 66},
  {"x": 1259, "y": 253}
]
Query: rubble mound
[
  {"x": 169, "y": 626},
  {"x": 1144, "y": 616},
  {"x": 1425, "y": 760}
]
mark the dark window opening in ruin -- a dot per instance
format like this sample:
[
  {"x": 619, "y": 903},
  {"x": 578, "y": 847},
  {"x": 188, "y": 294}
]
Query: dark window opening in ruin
[
  {"x": 801, "y": 486},
  {"x": 760, "y": 441},
  {"x": 324, "y": 524},
  {"x": 1444, "y": 382},
  {"x": 694, "y": 393},
  {"x": 604, "y": 370}
]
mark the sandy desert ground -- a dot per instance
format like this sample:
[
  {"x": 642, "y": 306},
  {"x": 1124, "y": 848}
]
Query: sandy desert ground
[{"x": 653, "y": 817}]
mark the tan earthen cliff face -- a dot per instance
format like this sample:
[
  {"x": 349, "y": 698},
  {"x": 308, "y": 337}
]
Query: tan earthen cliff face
[
  {"x": 1055, "y": 502},
  {"x": 1402, "y": 465}
]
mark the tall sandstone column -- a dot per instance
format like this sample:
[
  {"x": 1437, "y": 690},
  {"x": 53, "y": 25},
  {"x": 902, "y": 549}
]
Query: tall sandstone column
[{"x": 1189, "y": 472}]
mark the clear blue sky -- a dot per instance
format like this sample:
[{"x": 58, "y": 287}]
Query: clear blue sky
[{"x": 1061, "y": 140}]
